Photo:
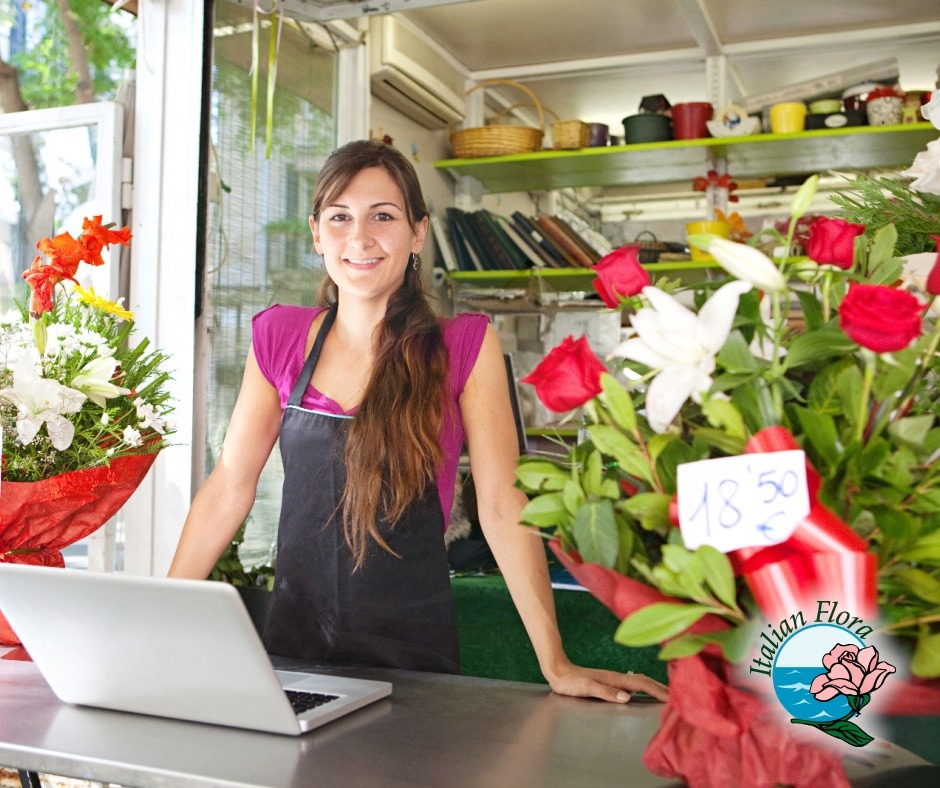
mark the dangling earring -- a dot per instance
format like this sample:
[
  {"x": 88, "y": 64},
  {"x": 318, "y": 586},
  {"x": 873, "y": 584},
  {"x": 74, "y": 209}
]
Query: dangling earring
[{"x": 414, "y": 261}]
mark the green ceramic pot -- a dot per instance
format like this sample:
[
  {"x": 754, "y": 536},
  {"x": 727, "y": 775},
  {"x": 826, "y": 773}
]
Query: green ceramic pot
[{"x": 646, "y": 127}]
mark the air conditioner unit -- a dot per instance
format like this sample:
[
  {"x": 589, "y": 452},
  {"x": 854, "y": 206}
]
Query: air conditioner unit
[{"x": 409, "y": 72}]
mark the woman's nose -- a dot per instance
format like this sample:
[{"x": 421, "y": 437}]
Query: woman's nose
[{"x": 362, "y": 235}]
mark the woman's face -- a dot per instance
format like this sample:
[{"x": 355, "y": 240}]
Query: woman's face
[{"x": 365, "y": 238}]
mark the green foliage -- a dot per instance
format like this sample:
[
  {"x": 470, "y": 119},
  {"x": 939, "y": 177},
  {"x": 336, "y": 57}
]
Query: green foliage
[
  {"x": 230, "y": 569},
  {"x": 47, "y": 75},
  {"x": 878, "y": 201},
  {"x": 869, "y": 424},
  {"x": 99, "y": 431}
]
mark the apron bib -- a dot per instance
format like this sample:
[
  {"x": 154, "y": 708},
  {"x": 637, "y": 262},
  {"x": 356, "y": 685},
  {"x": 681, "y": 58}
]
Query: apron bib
[{"x": 394, "y": 611}]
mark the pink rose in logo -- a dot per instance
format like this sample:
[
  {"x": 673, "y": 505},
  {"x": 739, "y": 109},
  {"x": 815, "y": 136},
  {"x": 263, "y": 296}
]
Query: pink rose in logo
[{"x": 851, "y": 672}]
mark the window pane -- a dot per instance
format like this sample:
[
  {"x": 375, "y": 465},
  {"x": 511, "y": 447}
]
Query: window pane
[
  {"x": 259, "y": 250},
  {"x": 53, "y": 174}
]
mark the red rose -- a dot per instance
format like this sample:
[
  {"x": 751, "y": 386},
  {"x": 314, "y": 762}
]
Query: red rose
[
  {"x": 832, "y": 241},
  {"x": 620, "y": 275},
  {"x": 568, "y": 376},
  {"x": 880, "y": 318},
  {"x": 933, "y": 279}
]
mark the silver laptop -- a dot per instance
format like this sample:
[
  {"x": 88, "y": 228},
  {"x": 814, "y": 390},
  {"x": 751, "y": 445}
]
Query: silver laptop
[{"x": 185, "y": 649}]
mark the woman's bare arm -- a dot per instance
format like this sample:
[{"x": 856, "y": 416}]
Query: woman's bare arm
[{"x": 227, "y": 495}]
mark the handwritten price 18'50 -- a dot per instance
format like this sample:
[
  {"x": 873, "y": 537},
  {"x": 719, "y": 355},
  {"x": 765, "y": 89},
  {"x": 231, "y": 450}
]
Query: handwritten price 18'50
[{"x": 748, "y": 501}]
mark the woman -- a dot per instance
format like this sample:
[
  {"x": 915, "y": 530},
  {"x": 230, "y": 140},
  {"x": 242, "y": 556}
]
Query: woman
[{"x": 362, "y": 574}]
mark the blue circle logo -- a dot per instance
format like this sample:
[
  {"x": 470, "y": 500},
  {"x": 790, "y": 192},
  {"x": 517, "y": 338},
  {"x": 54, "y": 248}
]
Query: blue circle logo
[{"x": 797, "y": 665}]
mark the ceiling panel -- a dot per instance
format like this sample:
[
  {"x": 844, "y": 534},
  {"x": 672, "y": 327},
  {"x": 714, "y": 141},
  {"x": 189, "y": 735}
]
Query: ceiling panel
[
  {"x": 595, "y": 59},
  {"x": 487, "y": 34}
]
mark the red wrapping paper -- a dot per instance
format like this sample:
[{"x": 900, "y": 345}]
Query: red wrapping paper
[
  {"x": 823, "y": 559},
  {"x": 712, "y": 733},
  {"x": 38, "y": 519}
]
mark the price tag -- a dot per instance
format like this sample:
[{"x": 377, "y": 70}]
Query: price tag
[{"x": 752, "y": 500}]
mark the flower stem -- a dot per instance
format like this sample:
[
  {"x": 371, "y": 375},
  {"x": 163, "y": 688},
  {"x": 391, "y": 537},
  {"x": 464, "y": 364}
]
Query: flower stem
[{"x": 863, "y": 406}]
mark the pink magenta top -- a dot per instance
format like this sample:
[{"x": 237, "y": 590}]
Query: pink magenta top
[{"x": 279, "y": 338}]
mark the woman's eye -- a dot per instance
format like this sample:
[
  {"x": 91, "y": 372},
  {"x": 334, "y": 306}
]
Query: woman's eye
[
  {"x": 384, "y": 217},
  {"x": 338, "y": 217}
]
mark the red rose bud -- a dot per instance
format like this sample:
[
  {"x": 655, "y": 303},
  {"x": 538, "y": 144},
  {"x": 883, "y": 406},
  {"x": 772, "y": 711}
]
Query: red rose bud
[
  {"x": 568, "y": 376},
  {"x": 933, "y": 279},
  {"x": 620, "y": 275},
  {"x": 882, "y": 319},
  {"x": 832, "y": 241}
]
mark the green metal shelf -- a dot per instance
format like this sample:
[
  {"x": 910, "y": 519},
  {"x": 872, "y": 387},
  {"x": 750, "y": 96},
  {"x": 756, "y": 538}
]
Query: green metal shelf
[
  {"x": 563, "y": 279},
  {"x": 758, "y": 155}
]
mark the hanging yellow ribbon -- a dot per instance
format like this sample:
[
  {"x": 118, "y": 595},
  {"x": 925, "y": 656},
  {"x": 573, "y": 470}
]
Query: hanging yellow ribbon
[{"x": 274, "y": 44}]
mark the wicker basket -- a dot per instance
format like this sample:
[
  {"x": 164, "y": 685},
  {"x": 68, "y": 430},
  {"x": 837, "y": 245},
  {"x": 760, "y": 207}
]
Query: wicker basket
[
  {"x": 499, "y": 139},
  {"x": 569, "y": 134}
]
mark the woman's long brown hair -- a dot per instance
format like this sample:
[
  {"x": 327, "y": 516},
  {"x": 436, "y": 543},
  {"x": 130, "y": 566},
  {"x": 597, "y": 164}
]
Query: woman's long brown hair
[{"x": 393, "y": 446}]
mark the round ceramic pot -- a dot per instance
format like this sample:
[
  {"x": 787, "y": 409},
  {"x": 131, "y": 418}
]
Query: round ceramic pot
[
  {"x": 884, "y": 110},
  {"x": 646, "y": 127}
]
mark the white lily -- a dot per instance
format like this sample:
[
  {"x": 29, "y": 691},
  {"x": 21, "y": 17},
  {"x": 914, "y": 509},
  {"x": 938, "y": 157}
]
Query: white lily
[
  {"x": 749, "y": 264},
  {"x": 41, "y": 401},
  {"x": 94, "y": 380},
  {"x": 679, "y": 346}
]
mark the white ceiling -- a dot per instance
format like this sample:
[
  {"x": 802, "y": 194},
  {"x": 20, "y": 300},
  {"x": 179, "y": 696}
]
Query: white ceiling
[{"x": 595, "y": 59}]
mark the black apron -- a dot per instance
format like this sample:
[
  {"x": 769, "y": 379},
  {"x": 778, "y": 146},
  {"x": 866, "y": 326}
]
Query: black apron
[{"x": 394, "y": 611}]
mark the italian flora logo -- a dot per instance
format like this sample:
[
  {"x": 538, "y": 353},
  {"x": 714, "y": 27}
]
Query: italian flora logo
[{"x": 823, "y": 673}]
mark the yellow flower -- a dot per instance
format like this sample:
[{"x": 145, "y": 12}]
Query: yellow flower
[{"x": 91, "y": 298}]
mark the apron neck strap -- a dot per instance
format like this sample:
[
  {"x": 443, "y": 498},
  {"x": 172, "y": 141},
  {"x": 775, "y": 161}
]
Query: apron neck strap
[{"x": 303, "y": 381}]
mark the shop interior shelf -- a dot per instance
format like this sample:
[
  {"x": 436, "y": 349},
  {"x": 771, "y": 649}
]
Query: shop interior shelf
[{"x": 759, "y": 155}]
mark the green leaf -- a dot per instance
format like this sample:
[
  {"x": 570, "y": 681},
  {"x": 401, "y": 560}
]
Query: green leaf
[
  {"x": 595, "y": 533},
  {"x": 657, "y": 444},
  {"x": 812, "y": 310},
  {"x": 912, "y": 430},
  {"x": 718, "y": 574},
  {"x": 658, "y": 622},
  {"x": 725, "y": 416},
  {"x": 737, "y": 641},
  {"x": 925, "y": 549},
  {"x": 721, "y": 440},
  {"x": 651, "y": 509},
  {"x": 849, "y": 732},
  {"x": 592, "y": 474},
  {"x": 882, "y": 250},
  {"x": 572, "y": 496},
  {"x": 610, "y": 441},
  {"x": 688, "y": 571},
  {"x": 849, "y": 383},
  {"x": 926, "y": 660},
  {"x": 816, "y": 346},
  {"x": 618, "y": 401},
  {"x": 683, "y": 646},
  {"x": 545, "y": 510},
  {"x": 541, "y": 475},
  {"x": 823, "y": 395},
  {"x": 923, "y": 584},
  {"x": 735, "y": 356},
  {"x": 821, "y": 433}
]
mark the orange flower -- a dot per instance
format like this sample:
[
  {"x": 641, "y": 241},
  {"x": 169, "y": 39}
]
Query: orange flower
[
  {"x": 42, "y": 279},
  {"x": 96, "y": 237},
  {"x": 64, "y": 253},
  {"x": 739, "y": 230}
]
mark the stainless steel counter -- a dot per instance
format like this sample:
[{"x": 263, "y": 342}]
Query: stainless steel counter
[{"x": 434, "y": 730}]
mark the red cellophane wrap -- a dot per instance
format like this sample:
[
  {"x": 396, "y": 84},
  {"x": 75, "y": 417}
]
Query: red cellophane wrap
[
  {"x": 711, "y": 734},
  {"x": 823, "y": 559},
  {"x": 38, "y": 519}
]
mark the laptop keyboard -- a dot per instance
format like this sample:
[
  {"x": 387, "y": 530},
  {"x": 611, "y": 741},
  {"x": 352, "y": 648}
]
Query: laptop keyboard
[{"x": 304, "y": 701}]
